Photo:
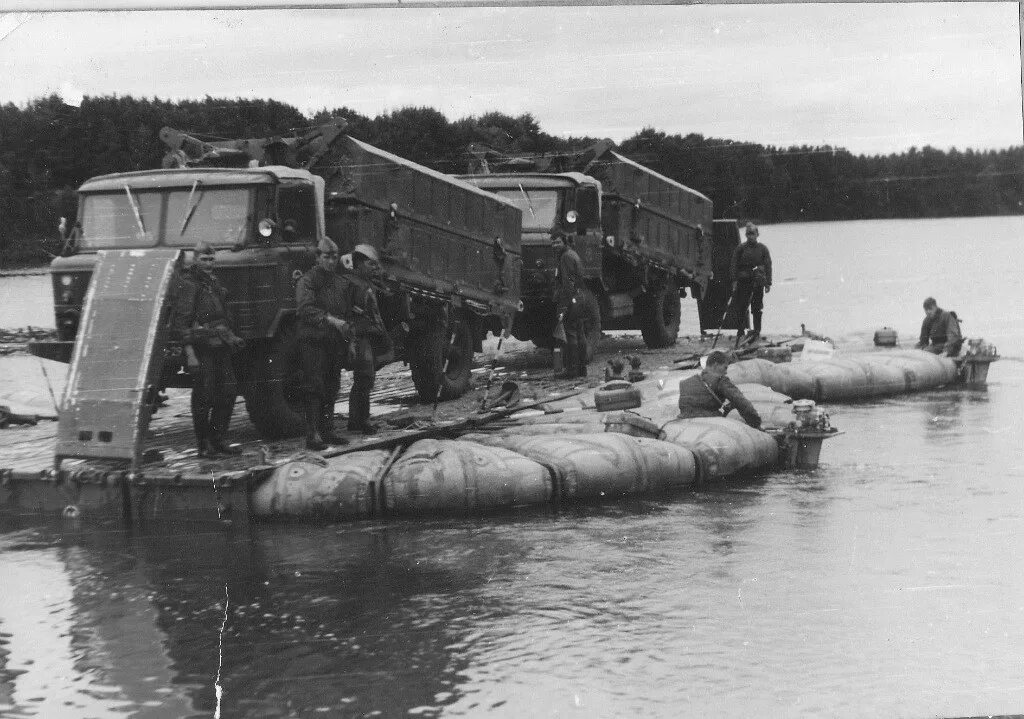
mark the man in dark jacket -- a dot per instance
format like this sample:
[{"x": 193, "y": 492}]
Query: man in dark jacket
[
  {"x": 712, "y": 394},
  {"x": 321, "y": 305},
  {"x": 752, "y": 279},
  {"x": 204, "y": 325},
  {"x": 369, "y": 337},
  {"x": 569, "y": 305},
  {"x": 940, "y": 330}
]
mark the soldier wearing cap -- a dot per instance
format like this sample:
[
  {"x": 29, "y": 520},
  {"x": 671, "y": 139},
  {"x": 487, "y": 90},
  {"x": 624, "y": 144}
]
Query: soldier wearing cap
[
  {"x": 369, "y": 337},
  {"x": 569, "y": 305},
  {"x": 940, "y": 330},
  {"x": 201, "y": 318},
  {"x": 712, "y": 394},
  {"x": 323, "y": 332},
  {"x": 751, "y": 281}
]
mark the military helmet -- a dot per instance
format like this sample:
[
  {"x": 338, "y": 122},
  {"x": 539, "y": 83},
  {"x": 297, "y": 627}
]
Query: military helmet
[
  {"x": 326, "y": 246},
  {"x": 367, "y": 251},
  {"x": 204, "y": 248}
]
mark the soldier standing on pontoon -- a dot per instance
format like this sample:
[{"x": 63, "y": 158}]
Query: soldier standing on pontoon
[{"x": 202, "y": 319}]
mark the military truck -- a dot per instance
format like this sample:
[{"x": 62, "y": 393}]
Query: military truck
[
  {"x": 450, "y": 254},
  {"x": 643, "y": 238},
  {"x": 713, "y": 304}
]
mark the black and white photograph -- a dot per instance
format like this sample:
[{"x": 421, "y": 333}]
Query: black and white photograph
[{"x": 470, "y": 358}]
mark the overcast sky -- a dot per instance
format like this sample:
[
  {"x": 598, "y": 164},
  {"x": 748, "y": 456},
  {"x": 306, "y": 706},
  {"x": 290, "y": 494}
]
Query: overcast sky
[{"x": 872, "y": 78}]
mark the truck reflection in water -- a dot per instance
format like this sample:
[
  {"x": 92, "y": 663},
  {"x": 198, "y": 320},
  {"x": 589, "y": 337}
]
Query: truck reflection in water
[{"x": 351, "y": 620}]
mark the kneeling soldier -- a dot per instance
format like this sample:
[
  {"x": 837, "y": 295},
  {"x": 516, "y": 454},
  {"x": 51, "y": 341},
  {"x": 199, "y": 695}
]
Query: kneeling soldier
[
  {"x": 323, "y": 331},
  {"x": 368, "y": 333},
  {"x": 201, "y": 317},
  {"x": 712, "y": 394}
]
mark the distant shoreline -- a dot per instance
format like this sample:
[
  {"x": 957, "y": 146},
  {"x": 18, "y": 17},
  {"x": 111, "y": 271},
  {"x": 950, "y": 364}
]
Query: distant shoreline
[{"x": 24, "y": 271}]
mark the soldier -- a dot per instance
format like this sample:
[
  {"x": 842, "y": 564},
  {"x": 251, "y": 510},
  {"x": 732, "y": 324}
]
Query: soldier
[
  {"x": 323, "y": 332},
  {"x": 751, "y": 280},
  {"x": 369, "y": 337},
  {"x": 940, "y": 330},
  {"x": 569, "y": 305},
  {"x": 712, "y": 394},
  {"x": 201, "y": 317}
]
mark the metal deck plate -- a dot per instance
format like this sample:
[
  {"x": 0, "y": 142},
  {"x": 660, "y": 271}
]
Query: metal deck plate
[{"x": 118, "y": 355}]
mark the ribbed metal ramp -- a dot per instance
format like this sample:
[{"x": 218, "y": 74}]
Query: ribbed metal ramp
[{"x": 104, "y": 411}]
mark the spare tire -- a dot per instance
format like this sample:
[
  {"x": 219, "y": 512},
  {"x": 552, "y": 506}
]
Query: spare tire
[
  {"x": 658, "y": 313},
  {"x": 431, "y": 347},
  {"x": 272, "y": 393}
]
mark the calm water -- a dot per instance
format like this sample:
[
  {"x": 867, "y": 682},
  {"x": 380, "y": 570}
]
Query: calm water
[{"x": 887, "y": 583}]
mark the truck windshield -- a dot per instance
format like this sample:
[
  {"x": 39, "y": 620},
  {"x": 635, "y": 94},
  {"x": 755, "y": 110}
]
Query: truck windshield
[
  {"x": 178, "y": 216},
  {"x": 540, "y": 207}
]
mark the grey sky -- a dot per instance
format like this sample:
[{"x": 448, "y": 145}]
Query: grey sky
[{"x": 872, "y": 78}]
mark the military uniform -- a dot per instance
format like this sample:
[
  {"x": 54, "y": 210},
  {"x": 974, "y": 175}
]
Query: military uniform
[
  {"x": 940, "y": 334},
  {"x": 203, "y": 323},
  {"x": 703, "y": 396},
  {"x": 369, "y": 339},
  {"x": 319, "y": 294},
  {"x": 569, "y": 303},
  {"x": 751, "y": 271}
]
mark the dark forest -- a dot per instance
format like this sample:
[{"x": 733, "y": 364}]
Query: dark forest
[{"x": 48, "y": 148}]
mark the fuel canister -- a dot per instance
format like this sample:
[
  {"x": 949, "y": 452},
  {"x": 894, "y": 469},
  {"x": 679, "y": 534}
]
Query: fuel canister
[
  {"x": 617, "y": 394},
  {"x": 886, "y": 337}
]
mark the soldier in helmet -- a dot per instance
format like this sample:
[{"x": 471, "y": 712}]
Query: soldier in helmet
[
  {"x": 323, "y": 332},
  {"x": 369, "y": 337},
  {"x": 202, "y": 320},
  {"x": 751, "y": 281}
]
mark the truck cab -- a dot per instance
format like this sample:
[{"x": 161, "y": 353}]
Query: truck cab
[
  {"x": 553, "y": 204},
  {"x": 263, "y": 223}
]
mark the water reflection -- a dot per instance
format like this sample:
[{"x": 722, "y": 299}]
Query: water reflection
[
  {"x": 360, "y": 619},
  {"x": 78, "y": 643}
]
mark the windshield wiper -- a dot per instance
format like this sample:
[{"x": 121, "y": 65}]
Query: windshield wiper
[
  {"x": 528, "y": 203},
  {"x": 135, "y": 211},
  {"x": 190, "y": 210}
]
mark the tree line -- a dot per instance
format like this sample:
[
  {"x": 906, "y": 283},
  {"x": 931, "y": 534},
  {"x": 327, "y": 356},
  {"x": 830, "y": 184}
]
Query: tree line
[{"x": 48, "y": 148}]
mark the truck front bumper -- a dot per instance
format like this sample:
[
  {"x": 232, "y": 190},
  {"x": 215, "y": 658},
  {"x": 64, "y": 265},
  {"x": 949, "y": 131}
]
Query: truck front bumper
[{"x": 52, "y": 350}]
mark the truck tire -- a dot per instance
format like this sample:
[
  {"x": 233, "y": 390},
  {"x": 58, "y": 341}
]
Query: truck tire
[
  {"x": 658, "y": 314},
  {"x": 429, "y": 350},
  {"x": 272, "y": 395},
  {"x": 543, "y": 342}
]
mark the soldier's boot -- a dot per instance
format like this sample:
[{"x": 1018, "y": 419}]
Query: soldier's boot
[
  {"x": 219, "y": 422},
  {"x": 313, "y": 439},
  {"x": 581, "y": 358},
  {"x": 201, "y": 425},
  {"x": 572, "y": 361},
  {"x": 756, "y": 334},
  {"x": 327, "y": 432},
  {"x": 359, "y": 409}
]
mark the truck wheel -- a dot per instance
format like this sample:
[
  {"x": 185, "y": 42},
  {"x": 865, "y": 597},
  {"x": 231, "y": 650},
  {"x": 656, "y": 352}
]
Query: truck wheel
[
  {"x": 430, "y": 349},
  {"x": 544, "y": 343},
  {"x": 658, "y": 314},
  {"x": 591, "y": 323},
  {"x": 272, "y": 395}
]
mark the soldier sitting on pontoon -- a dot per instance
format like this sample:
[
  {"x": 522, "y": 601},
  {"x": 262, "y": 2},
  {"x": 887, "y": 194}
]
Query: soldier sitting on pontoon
[
  {"x": 712, "y": 394},
  {"x": 940, "y": 331}
]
